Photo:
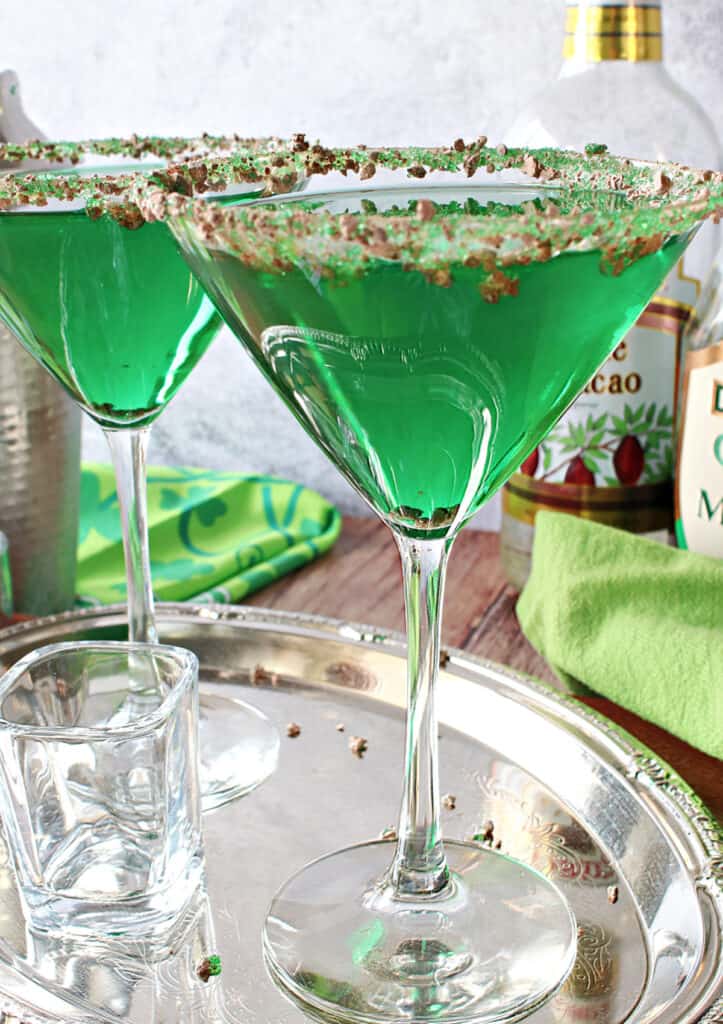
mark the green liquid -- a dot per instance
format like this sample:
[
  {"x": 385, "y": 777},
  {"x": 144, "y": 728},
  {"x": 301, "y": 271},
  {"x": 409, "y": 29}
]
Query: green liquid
[
  {"x": 427, "y": 398},
  {"x": 114, "y": 314}
]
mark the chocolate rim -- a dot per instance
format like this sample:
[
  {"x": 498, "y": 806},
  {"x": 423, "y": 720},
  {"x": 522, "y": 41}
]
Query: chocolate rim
[
  {"x": 135, "y": 146},
  {"x": 191, "y": 166},
  {"x": 664, "y": 200}
]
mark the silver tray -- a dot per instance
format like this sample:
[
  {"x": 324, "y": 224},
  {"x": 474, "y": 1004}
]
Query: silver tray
[{"x": 634, "y": 850}]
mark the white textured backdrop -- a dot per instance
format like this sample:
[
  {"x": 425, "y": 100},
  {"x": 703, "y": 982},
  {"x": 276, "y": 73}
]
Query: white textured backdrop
[{"x": 374, "y": 71}]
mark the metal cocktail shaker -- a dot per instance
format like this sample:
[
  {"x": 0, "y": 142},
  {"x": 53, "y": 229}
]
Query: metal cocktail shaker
[{"x": 39, "y": 449}]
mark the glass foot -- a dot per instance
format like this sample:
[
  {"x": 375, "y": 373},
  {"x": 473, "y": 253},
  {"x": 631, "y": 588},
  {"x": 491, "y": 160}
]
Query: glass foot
[
  {"x": 493, "y": 947},
  {"x": 239, "y": 749}
]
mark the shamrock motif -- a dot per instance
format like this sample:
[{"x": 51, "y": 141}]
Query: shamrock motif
[
  {"x": 101, "y": 515},
  {"x": 211, "y": 510}
]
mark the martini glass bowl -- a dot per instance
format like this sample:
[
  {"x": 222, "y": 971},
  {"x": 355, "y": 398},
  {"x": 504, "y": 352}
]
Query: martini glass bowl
[
  {"x": 107, "y": 305},
  {"x": 427, "y": 336}
]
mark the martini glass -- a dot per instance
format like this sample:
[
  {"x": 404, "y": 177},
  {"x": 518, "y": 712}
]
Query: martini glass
[
  {"x": 107, "y": 305},
  {"x": 427, "y": 337}
]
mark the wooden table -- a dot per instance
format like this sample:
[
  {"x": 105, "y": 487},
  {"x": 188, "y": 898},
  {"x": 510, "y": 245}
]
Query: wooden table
[{"x": 360, "y": 580}]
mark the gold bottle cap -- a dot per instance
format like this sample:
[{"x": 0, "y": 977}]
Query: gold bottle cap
[{"x": 597, "y": 32}]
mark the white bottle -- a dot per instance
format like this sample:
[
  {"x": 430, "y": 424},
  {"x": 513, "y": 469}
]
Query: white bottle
[
  {"x": 611, "y": 456},
  {"x": 699, "y": 467}
]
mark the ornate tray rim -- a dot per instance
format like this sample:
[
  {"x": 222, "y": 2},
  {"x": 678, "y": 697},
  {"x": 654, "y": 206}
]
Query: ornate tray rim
[{"x": 668, "y": 793}]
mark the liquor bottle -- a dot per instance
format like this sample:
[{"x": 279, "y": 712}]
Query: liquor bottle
[
  {"x": 699, "y": 467},
  {"x": 610, "y": 458}
]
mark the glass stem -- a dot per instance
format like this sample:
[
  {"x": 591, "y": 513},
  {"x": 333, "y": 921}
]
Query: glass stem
[
  {"x": 128, "y": 451},
  {"x": 419, "y": 867}
]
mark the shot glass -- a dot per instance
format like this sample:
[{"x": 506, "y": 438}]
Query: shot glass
[{"x": 99, "y": 786}]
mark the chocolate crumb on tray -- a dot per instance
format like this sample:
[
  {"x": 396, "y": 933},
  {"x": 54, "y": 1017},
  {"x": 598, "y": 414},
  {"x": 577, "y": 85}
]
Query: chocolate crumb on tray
[
  {"x": 210, "y": 967},
  {"x": 358, "y": 746},
  {"x": 486, "y": 833},
  {"x": 262, "y": 675}
]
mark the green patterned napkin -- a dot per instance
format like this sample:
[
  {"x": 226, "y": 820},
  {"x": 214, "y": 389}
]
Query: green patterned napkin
[{"x": 213, "y": 536}]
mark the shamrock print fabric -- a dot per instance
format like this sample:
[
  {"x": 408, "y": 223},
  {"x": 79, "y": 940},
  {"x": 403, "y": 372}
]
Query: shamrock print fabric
[{"x": 214, "y": 537}]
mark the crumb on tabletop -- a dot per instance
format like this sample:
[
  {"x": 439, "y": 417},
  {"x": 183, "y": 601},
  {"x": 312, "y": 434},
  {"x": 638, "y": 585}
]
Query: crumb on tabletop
[
  {"x": 613, "y": 894},
  {"x": 449, "y": 801},
  {"x": 340, "y": 727},
  {"x": 293, "y": 729}
]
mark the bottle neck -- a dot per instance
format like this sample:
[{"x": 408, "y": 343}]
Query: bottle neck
[{"x": 600, "y": 30}]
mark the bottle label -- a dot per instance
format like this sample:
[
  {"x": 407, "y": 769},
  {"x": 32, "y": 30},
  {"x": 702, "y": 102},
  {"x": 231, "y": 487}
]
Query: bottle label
[
  {"x": 613, "y": 31},
  {"x": 610, "y": 457},
  {"x": 699, "y": 477}
]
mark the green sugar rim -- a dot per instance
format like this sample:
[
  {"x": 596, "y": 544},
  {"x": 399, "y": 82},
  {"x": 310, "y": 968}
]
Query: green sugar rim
[
  {"x": 199, "y": 163},
  {"x": 664, "y": 200},
  {"x": 135, "y": 146}
]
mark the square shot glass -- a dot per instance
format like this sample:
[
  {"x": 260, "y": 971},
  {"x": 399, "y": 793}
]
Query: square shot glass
[{"x": 99, "y": 787}]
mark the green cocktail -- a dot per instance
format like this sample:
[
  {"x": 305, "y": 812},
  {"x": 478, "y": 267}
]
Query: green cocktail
[
  {"x": 427, "y": 337},
  {"x": 408, "y": 385},
  {"x": 113, "y": 313},
  {"x": 104, "y": 301}
]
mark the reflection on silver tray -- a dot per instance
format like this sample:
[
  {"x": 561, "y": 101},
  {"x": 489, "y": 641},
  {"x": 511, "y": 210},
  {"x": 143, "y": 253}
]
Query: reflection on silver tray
[{"x": 632, "y": 848}]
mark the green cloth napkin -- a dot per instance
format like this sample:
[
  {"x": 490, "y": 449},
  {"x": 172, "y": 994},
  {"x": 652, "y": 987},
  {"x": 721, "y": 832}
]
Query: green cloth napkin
[
  {"x": 213, "y": 536},
  {"x": 633, "y": 620}
]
